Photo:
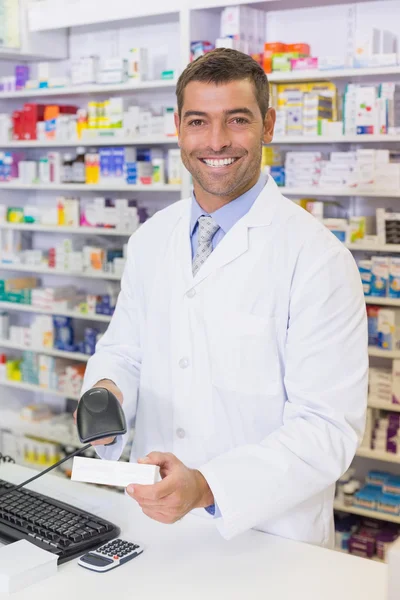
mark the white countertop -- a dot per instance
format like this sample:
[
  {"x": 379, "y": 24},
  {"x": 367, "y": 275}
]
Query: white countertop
[{"x": 191, "y": 561}]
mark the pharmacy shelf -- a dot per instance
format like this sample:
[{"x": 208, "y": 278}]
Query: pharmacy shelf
[
  {"x": 383, "y": 405},
  {"x": 49, "y": 351},
  {"x": 47, "y": 271},
  {"x": 86, "y": 187},
  {"x": 377, "y": 352},
  {"x": 316, "y": 75},
  {"x": 66, "y": 230},
  {"x": 343, "y": 139},
  {"x": 374, "y": 558},
  {"x": 99, "y": 140},
  {"x": 363, "y": 512},
  {"x": 377, "y": 455},
  {"x": 42, "y": 429},
  {"x": 393, "y": 248},
  {"x": 317, "y": 191},
  {"x": 65, "y": 313},
  {"x": 30, "y": 387},
  {"x": 85, "y": 90},
  {"x": 382, "y": 301}
]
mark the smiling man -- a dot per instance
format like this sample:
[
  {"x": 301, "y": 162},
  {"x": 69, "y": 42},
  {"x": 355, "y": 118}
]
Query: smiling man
[{"x": 239, "y": 344}]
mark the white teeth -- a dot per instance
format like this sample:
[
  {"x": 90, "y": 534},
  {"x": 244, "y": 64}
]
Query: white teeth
[{"x": 222, "y": 162}]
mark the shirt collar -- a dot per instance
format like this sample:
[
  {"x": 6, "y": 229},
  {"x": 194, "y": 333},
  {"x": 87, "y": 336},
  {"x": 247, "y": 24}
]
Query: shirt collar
[{"x": 230, "y": 213}]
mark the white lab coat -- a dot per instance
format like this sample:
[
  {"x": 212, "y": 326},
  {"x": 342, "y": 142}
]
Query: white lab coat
[{"x": 254, "y": 371}]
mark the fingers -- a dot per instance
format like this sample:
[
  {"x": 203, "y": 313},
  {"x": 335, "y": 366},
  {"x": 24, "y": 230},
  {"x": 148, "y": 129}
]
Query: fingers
[
  {"x": 103, "y": 441},
  {"x": 160, "y": 459}
]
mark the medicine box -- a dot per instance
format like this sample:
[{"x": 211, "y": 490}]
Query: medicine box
[
  {"x": 379, "y": 275},
  {"x": 389, "y": 329}
]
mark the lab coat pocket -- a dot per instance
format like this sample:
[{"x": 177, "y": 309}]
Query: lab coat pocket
[{"x": 243, "y": 353}]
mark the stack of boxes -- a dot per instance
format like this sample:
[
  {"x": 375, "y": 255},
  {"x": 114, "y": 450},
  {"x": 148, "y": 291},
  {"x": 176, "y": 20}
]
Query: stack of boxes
[
  {"x": 380, "y": 276},
  {"x": 243, "y": 29},
  {"x": 302, "y": 169},
  {"x": 380, "y": 385},
  {"x": 385, "y": 434}
]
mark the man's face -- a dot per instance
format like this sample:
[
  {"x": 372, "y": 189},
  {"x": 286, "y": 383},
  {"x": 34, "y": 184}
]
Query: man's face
[{"x": 221, "y": 132}]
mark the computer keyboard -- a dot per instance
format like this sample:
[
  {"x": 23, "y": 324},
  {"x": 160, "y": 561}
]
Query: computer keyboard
[{"x": 50, "y": 524}]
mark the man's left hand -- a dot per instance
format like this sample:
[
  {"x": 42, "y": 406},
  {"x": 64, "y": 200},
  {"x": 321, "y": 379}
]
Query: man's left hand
[{"x": 180, "y": 491}]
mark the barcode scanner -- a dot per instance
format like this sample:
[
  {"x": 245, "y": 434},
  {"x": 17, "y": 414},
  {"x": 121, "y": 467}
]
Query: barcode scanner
[{"x": 99, "y": 416}]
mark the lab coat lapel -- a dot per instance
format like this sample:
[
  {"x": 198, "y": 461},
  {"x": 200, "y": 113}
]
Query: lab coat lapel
[{"x": 236, "y": 241}]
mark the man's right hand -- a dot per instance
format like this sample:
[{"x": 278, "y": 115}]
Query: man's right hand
[{"x": 111, "y": 387}]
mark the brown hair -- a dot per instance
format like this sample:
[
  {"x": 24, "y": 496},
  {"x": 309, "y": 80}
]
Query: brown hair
[{"x": 224, "y": 65}]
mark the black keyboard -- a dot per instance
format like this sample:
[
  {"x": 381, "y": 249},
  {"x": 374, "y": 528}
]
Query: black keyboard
[{"x": 65, "y": 530}]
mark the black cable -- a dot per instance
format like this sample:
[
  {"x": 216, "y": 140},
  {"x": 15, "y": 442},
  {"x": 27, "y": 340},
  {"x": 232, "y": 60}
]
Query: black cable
[{"x": 60, "y": 462}]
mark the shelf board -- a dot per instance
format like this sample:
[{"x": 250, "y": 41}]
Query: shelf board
[
  {"x": 382, "y": 301},
  {"x": 64, "y": 313},
  {"x": 344, "y": 139},
  {"x": 105, "y": 140},
  {"x": 383, "y": 405},
  {"x": 315, "y": 75},
  {"x": 85, "y": 187},
  {"x": 90, "y": 89},
  {"x": 66, "y": 230},
  {"x": 30, "y": 387},
  {"x": 46, "y": 271},
  {"x": 41, "y": 429},
  {"x": 317, "y": 191},
  {"x": 379, "y": 353},
  {"x": 377, "y": 455},
  {"x": 49, "y": 351},
  {"x": 394, "y": 248},
  {"x": 354, "y": 510}
]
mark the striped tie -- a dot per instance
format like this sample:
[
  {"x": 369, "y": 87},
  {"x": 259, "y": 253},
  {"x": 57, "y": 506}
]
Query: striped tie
[{"x": 207, "y": 230}]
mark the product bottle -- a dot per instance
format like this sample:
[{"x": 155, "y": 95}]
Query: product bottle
[
  {"x": 78, "y": 166},
  {"x": 3, "y": 360},
  {"x": 66, "y": 171}
]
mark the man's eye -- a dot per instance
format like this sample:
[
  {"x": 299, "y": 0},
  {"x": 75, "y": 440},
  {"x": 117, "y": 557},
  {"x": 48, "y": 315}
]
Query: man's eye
[
  {"x": 196, "y": 122},
  {"x": 240, "y": 121}
]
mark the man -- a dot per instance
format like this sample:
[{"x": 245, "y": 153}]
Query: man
[{"x": 239, "y": 342}]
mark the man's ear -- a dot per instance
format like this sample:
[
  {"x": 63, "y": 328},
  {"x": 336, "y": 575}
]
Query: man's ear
[
  {"x": 177, "y": 124},
  {"x": 269, "y": 125}
]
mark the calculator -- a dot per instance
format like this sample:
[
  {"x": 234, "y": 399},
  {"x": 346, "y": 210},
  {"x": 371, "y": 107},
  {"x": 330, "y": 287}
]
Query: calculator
[{"x": 111, "y": 555}]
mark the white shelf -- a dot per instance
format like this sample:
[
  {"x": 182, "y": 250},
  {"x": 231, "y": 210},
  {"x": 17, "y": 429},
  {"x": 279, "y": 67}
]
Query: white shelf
[
  {"x": 90, "y": 89},
  {"x": 354, "y": 510},
  {"x": 382, "y": 301},
  {"x": 377, "y": 455},
  {"x": 383, "y": 405},
  {"x": 66, "y": 230},
  {"x": 30, "y": 387},
  {"x": 315, "y": 75},
  {"x": 49, "y": 351},
  {"x": 393, "y": 248},
  {"x": 42, "y": 429},
  {"x": 46, "y": 271},
  {"x": 85, "y": 187},
  {"x": 86, "y": 90},
  {"x": 317, "y": 191},
  {"x": 105, "y": 140},
  {"x": 65, "y": 313},
  {"x": 378, "y": 352},
  {"x": 344, "y": 139}
]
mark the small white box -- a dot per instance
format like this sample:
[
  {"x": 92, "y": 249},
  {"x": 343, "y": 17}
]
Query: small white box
[
  {"x": 110, "y": 472},
  {"x": 22, "y": 564}
]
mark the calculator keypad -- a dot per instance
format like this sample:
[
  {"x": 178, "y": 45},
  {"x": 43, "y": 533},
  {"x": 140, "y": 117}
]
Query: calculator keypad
[{"x": 117, "y": 549}]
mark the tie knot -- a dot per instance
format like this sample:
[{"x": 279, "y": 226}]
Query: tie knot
[{"x": 207, "y": 228}]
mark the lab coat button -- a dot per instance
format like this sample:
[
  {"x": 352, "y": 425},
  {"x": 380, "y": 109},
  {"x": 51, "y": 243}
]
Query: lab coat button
[
  {"x": 180, "y": 433},
  {"x": 191, "y": 293},
  {"x": 184, "y": 363}
]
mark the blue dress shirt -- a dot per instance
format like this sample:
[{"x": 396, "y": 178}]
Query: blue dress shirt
[{"x": 225, "y": 217}]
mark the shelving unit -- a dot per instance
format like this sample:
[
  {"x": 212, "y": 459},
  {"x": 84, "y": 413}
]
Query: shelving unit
[
  {"x": 376, "y": 455},
  {"x": 345, "y": 192},
  {"x": 328, "y": 74},
  {"x": 85, "y": 187},
  {"x": 66, "y": 230},
  {"x": 92, "y": 89},
  {"x": 47, "y": 271},
  {"x": 383, "y": 405},
  {"x": 377, "y": 352},
  {"x": 394, "y": 248},
  {"x": 374, "y": 514},
  {"x": 98, "y": 140},
  {"x": 344, "y": 139},
  {"x": 12, "y": 306},
  {"x": 37, "y": 389},
  {"x": 382, "y": 301},
  {"x": 49, "y": 351}
]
